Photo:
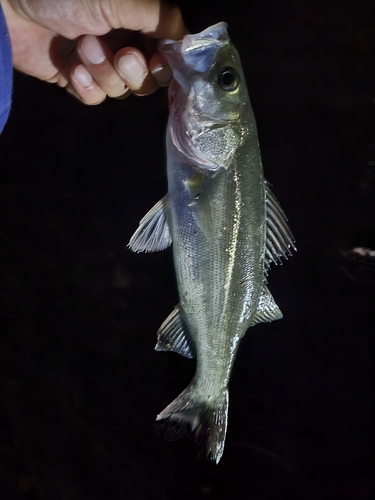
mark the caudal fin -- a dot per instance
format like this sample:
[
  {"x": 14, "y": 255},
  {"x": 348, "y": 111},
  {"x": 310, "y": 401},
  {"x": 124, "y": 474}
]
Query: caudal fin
[{"x": 187, "y": 414}]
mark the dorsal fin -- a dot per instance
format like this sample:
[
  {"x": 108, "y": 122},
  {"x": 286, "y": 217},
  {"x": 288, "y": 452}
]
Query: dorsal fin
[
  {"x": 153, "y": 232},
  {"x": 173, "y": 335},
  {"x": 280, "y": 239}
]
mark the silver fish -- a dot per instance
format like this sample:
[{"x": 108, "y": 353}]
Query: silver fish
[{"x": 226, "y": 226}]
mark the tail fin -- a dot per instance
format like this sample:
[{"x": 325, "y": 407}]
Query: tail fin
[{"x": 208, "y": 421}]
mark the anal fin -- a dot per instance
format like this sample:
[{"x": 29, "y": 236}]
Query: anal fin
[
  {"x": 173, "y": 335},
  {"x": 267, "y": 309}
]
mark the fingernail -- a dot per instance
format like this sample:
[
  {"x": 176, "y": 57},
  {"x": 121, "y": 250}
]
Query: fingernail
[
  {"x": 132, "y": 69},
  {"x": 82, "y": 76},
  {"x": 163, "y": 75},
  {"x": 92, "y": 50}
]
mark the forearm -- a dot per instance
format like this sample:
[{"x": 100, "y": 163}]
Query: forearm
[{"x": 5, "y": 71}]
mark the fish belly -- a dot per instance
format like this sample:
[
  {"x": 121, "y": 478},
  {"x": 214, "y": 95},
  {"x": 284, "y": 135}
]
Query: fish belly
[{"x": 220, "y": 276}]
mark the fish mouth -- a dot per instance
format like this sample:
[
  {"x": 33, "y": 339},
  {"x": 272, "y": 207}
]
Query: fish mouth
[
  {"x": 195, "y": 53},
  {"x": 214, "y": 35}
]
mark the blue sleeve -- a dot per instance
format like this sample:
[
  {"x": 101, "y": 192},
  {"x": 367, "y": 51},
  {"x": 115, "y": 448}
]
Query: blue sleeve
[{"x": 6, "y": 71}]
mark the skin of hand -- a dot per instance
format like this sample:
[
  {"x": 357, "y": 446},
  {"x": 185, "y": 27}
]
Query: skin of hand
[{"x": 93, "y": 48}]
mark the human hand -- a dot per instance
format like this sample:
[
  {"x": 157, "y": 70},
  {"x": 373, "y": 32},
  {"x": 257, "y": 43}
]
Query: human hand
[{"x": 91, "y": 47}]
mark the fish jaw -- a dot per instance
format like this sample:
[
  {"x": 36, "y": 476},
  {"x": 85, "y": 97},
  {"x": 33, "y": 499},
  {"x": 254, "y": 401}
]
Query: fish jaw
[
  {"x": 200, "y": 132},
  {"x": 185, "y": 128},
  {"x": 204, "y": 141},
  {"x": 194, "y": 53}
]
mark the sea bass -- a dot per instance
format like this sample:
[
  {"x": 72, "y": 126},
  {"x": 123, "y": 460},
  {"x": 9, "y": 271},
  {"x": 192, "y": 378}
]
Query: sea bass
[{"x": 225, "y": 224}]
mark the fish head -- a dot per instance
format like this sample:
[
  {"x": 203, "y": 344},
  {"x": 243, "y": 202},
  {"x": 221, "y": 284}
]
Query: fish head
[{"x": 208, "y": 97}]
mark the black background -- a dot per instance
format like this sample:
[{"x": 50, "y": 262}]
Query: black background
[{"x": 80, "y": 382}]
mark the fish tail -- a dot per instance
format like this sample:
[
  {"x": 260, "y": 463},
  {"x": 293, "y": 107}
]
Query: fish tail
[{"x": 206, "y": 420}]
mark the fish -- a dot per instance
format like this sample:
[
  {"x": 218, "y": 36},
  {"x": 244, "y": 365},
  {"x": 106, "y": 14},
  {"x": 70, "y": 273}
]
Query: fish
[{"x": 226, "y": 226}]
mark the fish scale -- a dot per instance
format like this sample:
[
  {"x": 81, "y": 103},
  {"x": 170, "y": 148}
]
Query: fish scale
[{"x": 225, "y": 224}]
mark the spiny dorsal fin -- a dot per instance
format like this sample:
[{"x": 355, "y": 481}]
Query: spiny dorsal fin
[
  {"x": 280, "y": 239},
  {"x": 267, "y": 309},
  {"x": 173, "y": 335},
  {"x": 153, "y": 232}
]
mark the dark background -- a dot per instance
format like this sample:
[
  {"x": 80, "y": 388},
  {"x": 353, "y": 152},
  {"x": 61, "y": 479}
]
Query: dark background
[{"x": 80, "y": 382}]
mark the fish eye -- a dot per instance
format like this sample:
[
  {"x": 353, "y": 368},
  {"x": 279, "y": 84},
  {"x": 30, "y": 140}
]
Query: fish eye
[{"x": 228, "y": 79}]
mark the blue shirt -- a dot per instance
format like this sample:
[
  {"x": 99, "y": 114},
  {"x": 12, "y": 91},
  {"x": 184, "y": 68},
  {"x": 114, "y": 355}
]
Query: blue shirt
[{"x": 6, "y": 71}]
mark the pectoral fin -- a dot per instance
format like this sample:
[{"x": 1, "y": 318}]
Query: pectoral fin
[
  {"x": 200, "y": 204},
  {"x": 267, "y": 309},
  {"x": 173, "y": 335},
  {"x": 153, "y": 232},
  {"x": 280, "y": 239}
]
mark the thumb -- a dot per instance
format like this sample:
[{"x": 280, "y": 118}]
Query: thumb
[{"x": 155, "y": 18}]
